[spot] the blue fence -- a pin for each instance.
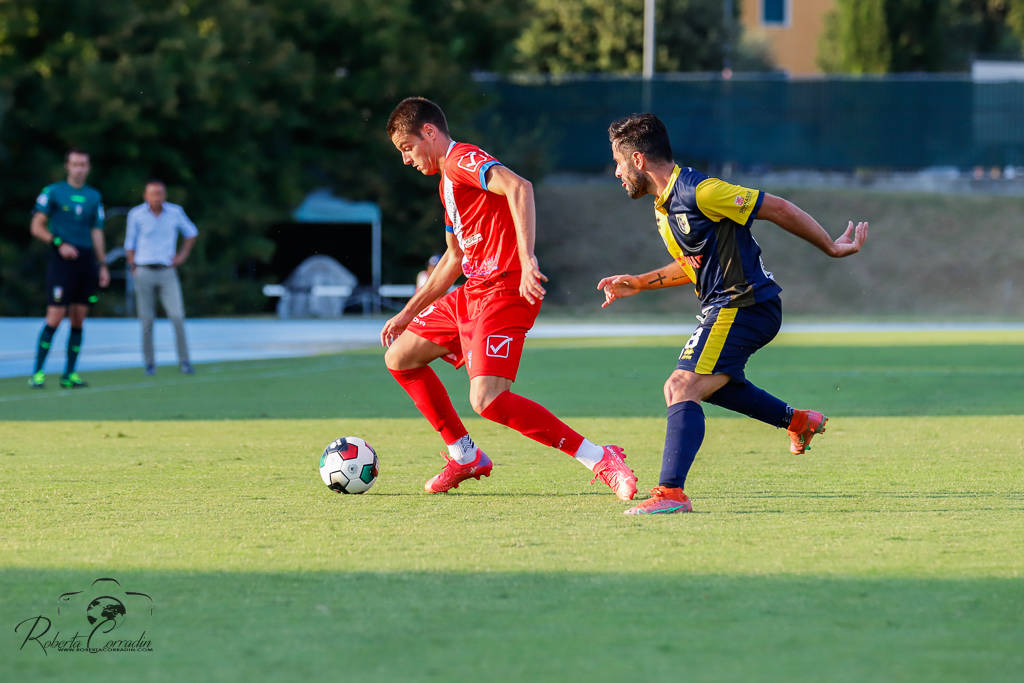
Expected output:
(827, 123)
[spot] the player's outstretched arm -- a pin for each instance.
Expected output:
(519, 193)
(621, 286)
(792, 218)
(441, 279)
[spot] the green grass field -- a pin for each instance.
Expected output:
(892, 551)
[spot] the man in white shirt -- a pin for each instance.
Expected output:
(150, 246)
(421, 277)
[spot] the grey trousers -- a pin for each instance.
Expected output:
(149, 282)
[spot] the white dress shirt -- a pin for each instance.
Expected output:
(153, 238)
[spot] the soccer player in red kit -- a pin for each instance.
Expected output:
(490, 224)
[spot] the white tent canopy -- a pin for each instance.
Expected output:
(320, 206)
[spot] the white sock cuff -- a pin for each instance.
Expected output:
(589, 454)
(462, 451)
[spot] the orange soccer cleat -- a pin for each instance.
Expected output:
(663, 500)
(802, 428)
(453, 473)
(612, 470)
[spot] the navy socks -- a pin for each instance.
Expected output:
(683, 437)
(754, 402)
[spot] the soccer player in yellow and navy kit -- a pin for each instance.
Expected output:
(705, 224)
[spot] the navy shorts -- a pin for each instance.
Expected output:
(73, 281)
(727, 337)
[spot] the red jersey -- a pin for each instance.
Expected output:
(480, 220)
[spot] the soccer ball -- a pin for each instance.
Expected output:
(349, 465)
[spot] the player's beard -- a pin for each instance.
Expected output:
(635, 183)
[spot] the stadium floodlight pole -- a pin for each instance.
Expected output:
(649, 50)
(727, 21)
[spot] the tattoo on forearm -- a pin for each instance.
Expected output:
(680, 277)
(657, 280)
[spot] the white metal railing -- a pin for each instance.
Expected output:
(386, 291)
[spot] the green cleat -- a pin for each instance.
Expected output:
(37, 381)
(72, 381)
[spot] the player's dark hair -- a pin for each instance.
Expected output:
(156, 181)
(413, 113)
(74, 150)
(644, 133)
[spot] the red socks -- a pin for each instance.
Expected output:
(521, 414)
(533, 420)
(428, 393)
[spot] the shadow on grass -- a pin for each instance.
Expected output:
(443, 626)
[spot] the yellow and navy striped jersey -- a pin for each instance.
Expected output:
(705, 223)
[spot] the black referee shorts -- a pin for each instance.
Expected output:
(72, 281)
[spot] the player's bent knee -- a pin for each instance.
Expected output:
(394, 359)
(482, 395)
(682, 386)
(673, 391)
(411, 353)
(479, 400)
(478, 405)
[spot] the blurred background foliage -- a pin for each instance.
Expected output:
(901, 36)
(241, 106)
(244, 106)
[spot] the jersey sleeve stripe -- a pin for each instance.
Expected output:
(483, 171)
(757, 207)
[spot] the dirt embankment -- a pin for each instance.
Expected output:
(928, 255)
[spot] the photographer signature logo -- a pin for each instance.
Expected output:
(103, 618)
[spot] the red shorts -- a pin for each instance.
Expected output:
(485, 330)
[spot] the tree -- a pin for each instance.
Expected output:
(587, 36)
(856, 39)
(240, 106)
(899, 36)
(1015, 18)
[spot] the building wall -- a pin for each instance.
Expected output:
(794, 44)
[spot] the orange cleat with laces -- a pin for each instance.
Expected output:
(663, 500)
(802, 428)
